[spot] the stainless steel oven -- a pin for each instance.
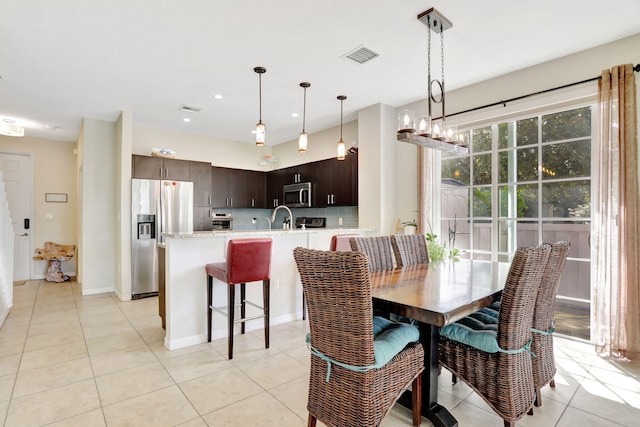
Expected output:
(297, 195)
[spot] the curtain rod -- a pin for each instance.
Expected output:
(636, 68)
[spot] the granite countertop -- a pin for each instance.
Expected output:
(224, 233)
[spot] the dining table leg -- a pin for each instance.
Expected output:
(434, 412)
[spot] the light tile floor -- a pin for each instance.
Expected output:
(69, 360)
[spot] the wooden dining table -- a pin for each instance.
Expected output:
(435, 295)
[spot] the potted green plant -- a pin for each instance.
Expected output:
(410, 227)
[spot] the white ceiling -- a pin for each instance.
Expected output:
(64, 60)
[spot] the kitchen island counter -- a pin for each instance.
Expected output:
(185, 280)
(265, 232)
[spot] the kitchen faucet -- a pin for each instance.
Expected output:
(273, 216)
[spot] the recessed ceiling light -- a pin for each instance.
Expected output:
(253, 131)
(9, 128)
(218, 96)
(186, 119)
(294, 114)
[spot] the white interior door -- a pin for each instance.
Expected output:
(17, 173)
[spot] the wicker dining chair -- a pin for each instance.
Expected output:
(496, 364)
(377, 249)
(410, 249)
(544, 365)
(347, 385)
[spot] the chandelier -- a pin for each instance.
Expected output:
(424, 130)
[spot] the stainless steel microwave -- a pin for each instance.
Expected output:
(297, 195)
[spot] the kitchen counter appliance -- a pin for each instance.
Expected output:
(221, 222)
(311, 222)
(156, 207)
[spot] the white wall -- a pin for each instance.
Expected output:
(219, 152)
(322, 145)
(377, 183)
(97, 211)
(124, 140)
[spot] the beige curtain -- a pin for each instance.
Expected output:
(615, 320)
(426, 197)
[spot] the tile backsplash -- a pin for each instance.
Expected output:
(243, 218)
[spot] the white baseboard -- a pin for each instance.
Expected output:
(252, 325)
(43, 276)
(94, 291)
(184, 342)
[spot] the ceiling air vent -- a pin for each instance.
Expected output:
(190, 108)
(362, 54)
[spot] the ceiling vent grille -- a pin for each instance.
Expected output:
(362, 54)
(190, 108)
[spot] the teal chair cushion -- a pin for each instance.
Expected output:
(390, 338)
(479, 330)
(482, 339)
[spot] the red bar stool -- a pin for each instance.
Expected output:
(248, 260)
(340, 242)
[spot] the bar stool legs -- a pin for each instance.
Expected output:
(265, 302)
(231, 305)
(209, 306)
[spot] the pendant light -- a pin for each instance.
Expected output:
(303, 138)
(341, 148)
(260, 128)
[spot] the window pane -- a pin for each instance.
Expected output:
(567, 160)
(456, 169)
(506, 229)
(455, 234)
(511, 205)
(527, 131)
(528, 164)
(566, 124)
(566, 199)
(528, 234)
(455, 201)
(482, 139)
(503, 167)
(482, 202)
(575, 280)
(529, 195)
(482, 169)
(576, 232)
(503, 135)
(482, 236)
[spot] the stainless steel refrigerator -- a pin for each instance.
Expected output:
(156, 207)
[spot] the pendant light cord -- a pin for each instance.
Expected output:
(260, 92)
(304, 110)
(341, 103)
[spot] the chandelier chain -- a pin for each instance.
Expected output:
(429, 64)
(442, 54)
(442, 75)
